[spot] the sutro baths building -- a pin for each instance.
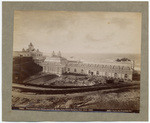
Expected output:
(57, 64)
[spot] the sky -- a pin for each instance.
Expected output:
(78, 32)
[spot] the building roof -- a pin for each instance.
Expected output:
(56, 59)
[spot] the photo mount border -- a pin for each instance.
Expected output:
(8, 9)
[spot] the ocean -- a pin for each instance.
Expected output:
(97, 58)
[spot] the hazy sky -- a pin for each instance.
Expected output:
(85, 32)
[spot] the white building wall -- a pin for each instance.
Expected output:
(111, 70)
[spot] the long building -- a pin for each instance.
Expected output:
(57, 64)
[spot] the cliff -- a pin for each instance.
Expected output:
(24, 67)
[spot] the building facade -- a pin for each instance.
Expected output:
(30, 52)
(57, 64)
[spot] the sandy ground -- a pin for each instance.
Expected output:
(123, 99)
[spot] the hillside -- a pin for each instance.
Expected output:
(24, 67)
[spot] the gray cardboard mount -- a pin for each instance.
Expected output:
(8, 9)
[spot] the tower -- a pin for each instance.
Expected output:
(23, 49)
(31, 47)
(59, 54)
(53, 54)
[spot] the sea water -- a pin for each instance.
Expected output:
(97, 58)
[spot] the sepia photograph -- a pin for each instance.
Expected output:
(76, 61)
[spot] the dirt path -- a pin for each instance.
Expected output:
(51, 90)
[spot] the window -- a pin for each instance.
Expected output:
(81, 70)
(68, 69)
(97, 72)
(115, 75)
(125, 76)
(75, 70)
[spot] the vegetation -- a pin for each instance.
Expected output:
(136, 76)
(70, 80)
(120, 99)
(122, 59)
(49, 92)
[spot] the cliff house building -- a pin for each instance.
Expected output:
(30, 52)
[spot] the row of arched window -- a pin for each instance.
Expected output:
(48, 69)
(97, 73)
(38, 54)
(102, 66)
(25, 55)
